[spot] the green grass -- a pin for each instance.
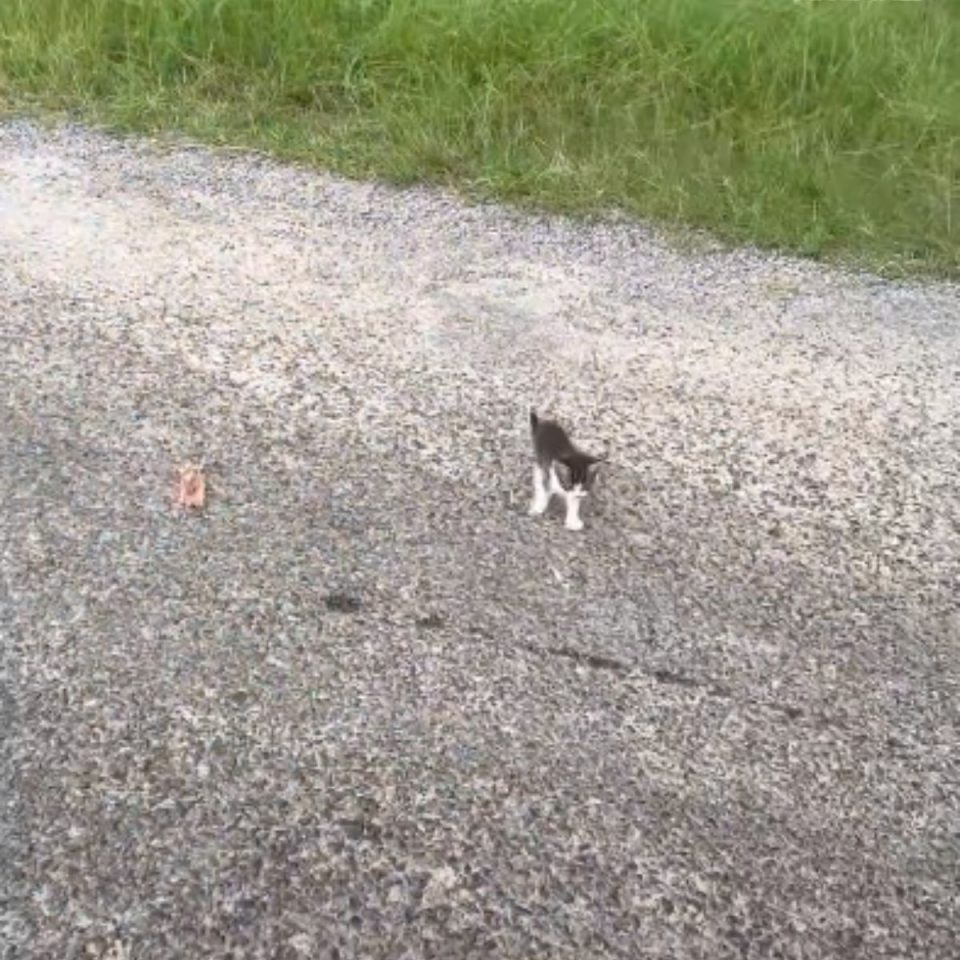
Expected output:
(828, 128)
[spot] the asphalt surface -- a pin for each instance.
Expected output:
(361, 705)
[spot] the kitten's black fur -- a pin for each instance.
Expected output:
(552, 445)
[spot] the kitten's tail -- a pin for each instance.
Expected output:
(534, 420)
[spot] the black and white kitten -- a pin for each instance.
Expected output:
(559, 468)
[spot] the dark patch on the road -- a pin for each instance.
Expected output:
(789, 711)
(662, 675)
(670, 676)
(432, 621)
(598, 661)
(360, 828)
(342, 603)
(595, 661)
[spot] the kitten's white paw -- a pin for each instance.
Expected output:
(575, 524)
(537, 508)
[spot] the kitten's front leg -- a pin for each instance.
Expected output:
(573, 521)
(541, 496)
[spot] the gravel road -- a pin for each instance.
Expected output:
(361, 705)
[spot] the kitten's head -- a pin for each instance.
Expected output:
(577, 473)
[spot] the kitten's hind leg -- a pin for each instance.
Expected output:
(541, 496)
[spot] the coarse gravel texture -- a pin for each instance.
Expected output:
(362, 705)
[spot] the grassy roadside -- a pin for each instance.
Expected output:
(828, 128)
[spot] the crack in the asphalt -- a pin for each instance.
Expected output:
(596, 661)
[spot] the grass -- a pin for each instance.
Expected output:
(827, 128)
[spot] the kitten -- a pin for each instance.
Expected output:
(561, 469)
